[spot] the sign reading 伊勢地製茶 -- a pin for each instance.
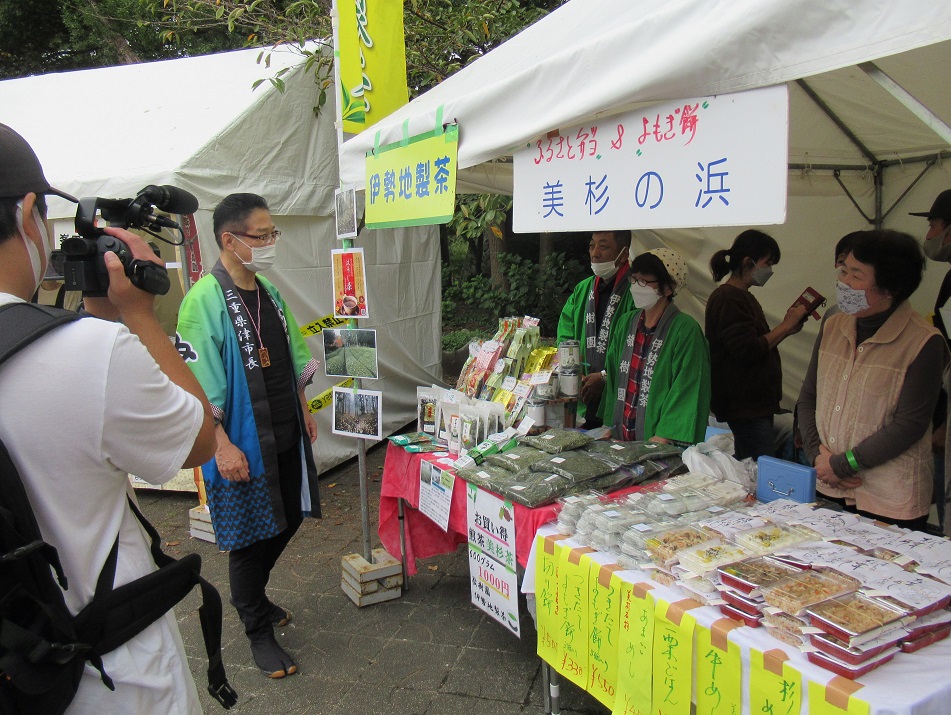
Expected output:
(711, 161)
(413, 182)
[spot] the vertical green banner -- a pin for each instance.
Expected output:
(372, 56)
(413, 182)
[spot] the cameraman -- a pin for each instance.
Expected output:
(84, 406)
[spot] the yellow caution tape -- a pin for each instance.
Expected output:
(326, 397)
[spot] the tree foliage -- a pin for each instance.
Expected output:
(57, 35)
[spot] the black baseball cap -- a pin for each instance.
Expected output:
(941, 208)
(20, 170)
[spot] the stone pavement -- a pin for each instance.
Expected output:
(428, 653)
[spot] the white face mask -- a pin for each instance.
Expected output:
(605, 270)
(645, 297)
(761, 274)
(850, 300)
(935, 249)
(36, 262)
(262, 257)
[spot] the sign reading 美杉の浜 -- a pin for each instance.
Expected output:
(413, 182)
(710, 161)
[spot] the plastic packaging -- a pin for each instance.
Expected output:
(518, 458)
(627, 453)
(576, 465)
(855, 619)
(796, 594)
(742, 603)
(926, 624)
(914, 644)
(557, 440)
(751, 575)
(664, 546)
(771, 537)
(840, 650)
(847, 670)
(737, 615)
(705, 557)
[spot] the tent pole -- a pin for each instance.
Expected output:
(932, 120)
(352, 323)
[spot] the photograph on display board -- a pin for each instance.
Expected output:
(346, 211)
(358, 413)
(350, 280)
(350, 353)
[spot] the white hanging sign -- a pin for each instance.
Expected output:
(710, 161)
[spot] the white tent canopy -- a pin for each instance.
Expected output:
(197, 124)
(857, 144)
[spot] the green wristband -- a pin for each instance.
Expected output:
(852, 461)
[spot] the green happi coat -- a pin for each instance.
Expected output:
(212, 338)
(678, 403)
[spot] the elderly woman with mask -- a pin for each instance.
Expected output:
(657, 370)
(870, 389)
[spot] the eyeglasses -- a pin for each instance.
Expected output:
(643, 283)
(266, 239)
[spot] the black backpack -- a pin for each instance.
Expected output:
(43, 647)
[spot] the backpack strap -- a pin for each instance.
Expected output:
(25, 322)
(116, 615)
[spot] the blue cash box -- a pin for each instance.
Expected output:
(779, 479)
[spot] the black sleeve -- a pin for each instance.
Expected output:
(806, 405)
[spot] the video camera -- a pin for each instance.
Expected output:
(84, 267)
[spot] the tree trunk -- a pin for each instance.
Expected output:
(546, 246)
(496, 249)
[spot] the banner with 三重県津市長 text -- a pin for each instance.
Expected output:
(413, 182)
(711, 161)
(371, 52)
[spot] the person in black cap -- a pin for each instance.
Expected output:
(83, 407)
(937, 247)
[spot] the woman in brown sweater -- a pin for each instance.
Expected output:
(746, 370)
(866, 403)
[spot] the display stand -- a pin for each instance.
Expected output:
(374, 576)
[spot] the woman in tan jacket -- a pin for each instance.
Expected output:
(871, 386)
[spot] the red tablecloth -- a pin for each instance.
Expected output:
(423, 537)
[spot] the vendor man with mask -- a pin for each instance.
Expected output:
(937, 247)
(590, 313)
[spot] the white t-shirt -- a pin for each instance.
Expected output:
(81, 408)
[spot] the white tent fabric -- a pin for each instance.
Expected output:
(197, 124)
(596, 58)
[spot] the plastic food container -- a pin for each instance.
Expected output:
(796, 594)
(926, 639)
(796, 640)
(664, 546)
(573, 506)
(742, 603)
(677, 502)
(856, 619)
(643, 529)
(785, 622)
(707, 556)
(830, 645)
(847, 670)
(693, 480)
(737, 615)
(774, 536)
(753, 574)
(928, 623)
